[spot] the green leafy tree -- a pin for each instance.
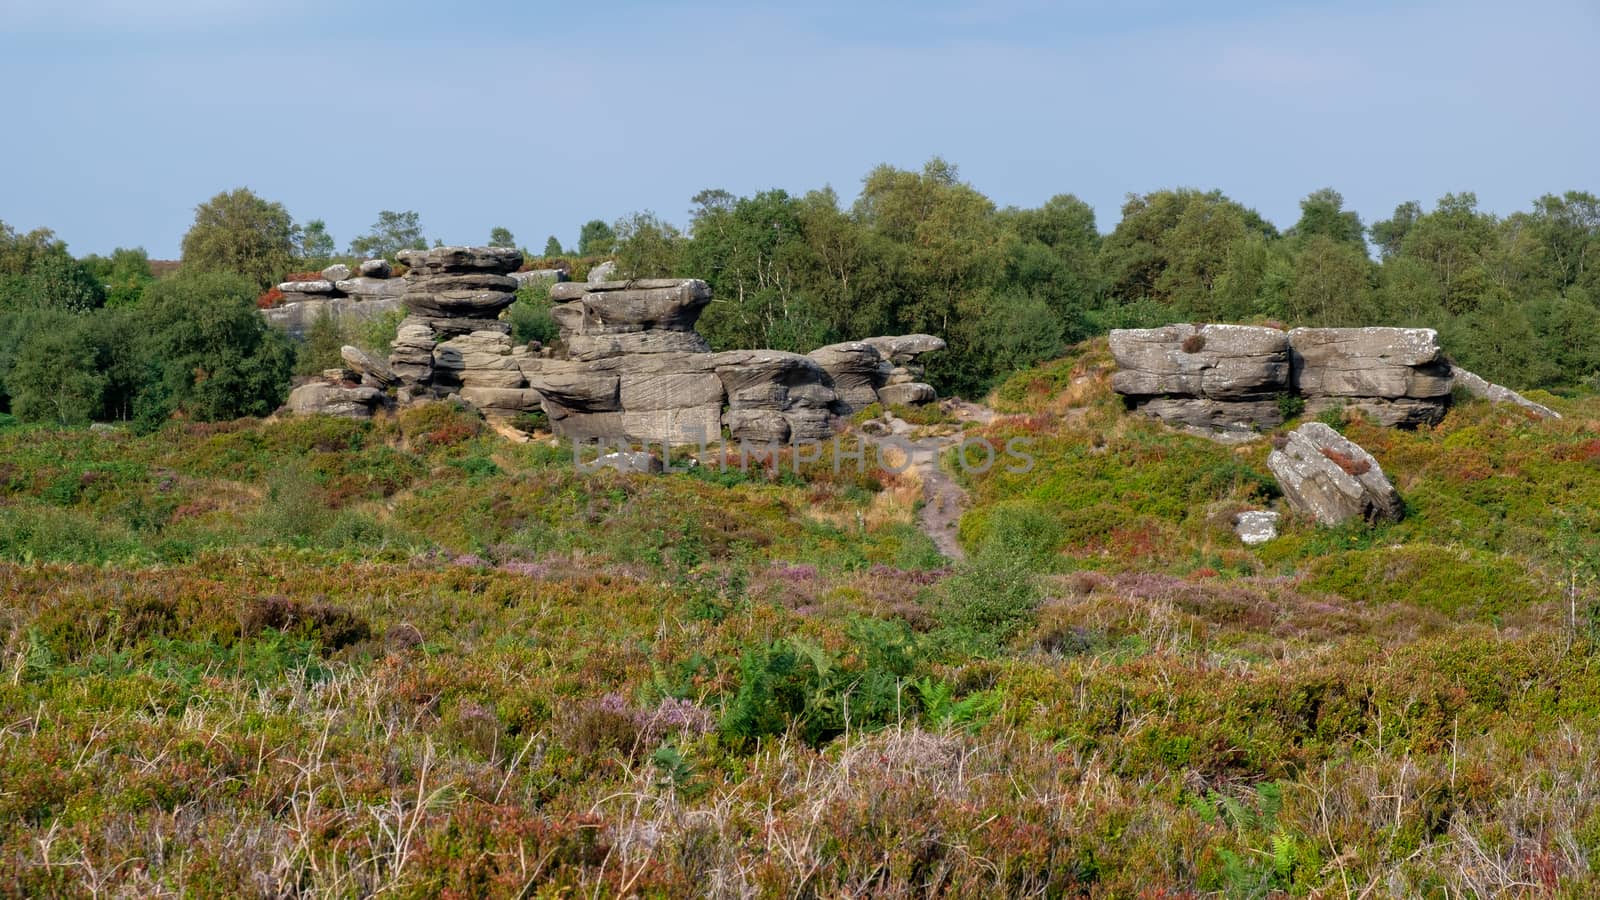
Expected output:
(239, 232)
(393, 232)
(596, 238)
(1175, 248)
(1389, 234)
(552, 248)
(125, 274)
(214, 357)
(37, 272)
(58, 376)
(501, 237)
(647, 247)
(1332, 284)
(314, 241)
(1323, 213)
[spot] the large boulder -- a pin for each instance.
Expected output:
(857, 371)
(766, 386)
(373, 371)
(317, 287)
(376, 268)
(1369, 362)
(1332, 479)
(461, 282)
(495, 260)
(365, 288)
(336, 272)
(673, 304)
(1215, 362)
(1394, 376)
(904, 347)
(327, 399)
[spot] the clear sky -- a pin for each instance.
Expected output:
(122, 115)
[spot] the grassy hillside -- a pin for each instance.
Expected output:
(408, 656)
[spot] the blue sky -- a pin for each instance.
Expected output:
(124, 114)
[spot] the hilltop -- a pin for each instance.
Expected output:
(329, 656)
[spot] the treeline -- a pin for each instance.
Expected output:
(1517, 298)
(103, 339)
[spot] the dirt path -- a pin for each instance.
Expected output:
(943, 498)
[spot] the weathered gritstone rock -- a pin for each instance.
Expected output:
(535, 276)
(1484, 389)
(334, 399)
(776, 396)
(373, 372)
(1215, 362)
(651, 315)
(1222, 378)
(1256, 526)
(1226, 378)
(1395, 376)
(460, 282)
(1333, 479)
(351, 300)
(857, 369)
(631, 367)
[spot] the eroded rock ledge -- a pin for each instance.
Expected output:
(629, 365)
(1238, 379)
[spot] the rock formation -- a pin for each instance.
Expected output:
(629, 365)
(878, 370)
(335, 395)
(1256, 526)
(1230, 379)
(637, 370)
(340, 293)
(1484, 389)
(1226, 378)
(1331, 478)
(1393, 376)
(453, 341)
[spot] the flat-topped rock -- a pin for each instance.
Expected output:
(905, 347)
(336, 272)
(1216, 362)
(319, 286)
(324, 398)
(1386, 363)
(376, 268)
(370, 288)
(497, 260)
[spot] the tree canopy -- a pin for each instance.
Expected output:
(240, 233)
(393, 232)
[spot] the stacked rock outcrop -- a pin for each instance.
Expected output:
(368, 291)
(636, 370)
(453, 340)
(629, 365)
(879, 370)
(902, 384)
(1393, 376)
(1221, 377)
(1231, 378)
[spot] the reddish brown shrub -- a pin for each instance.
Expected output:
(269, 299)
(1194, 343)
(1349, 464)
